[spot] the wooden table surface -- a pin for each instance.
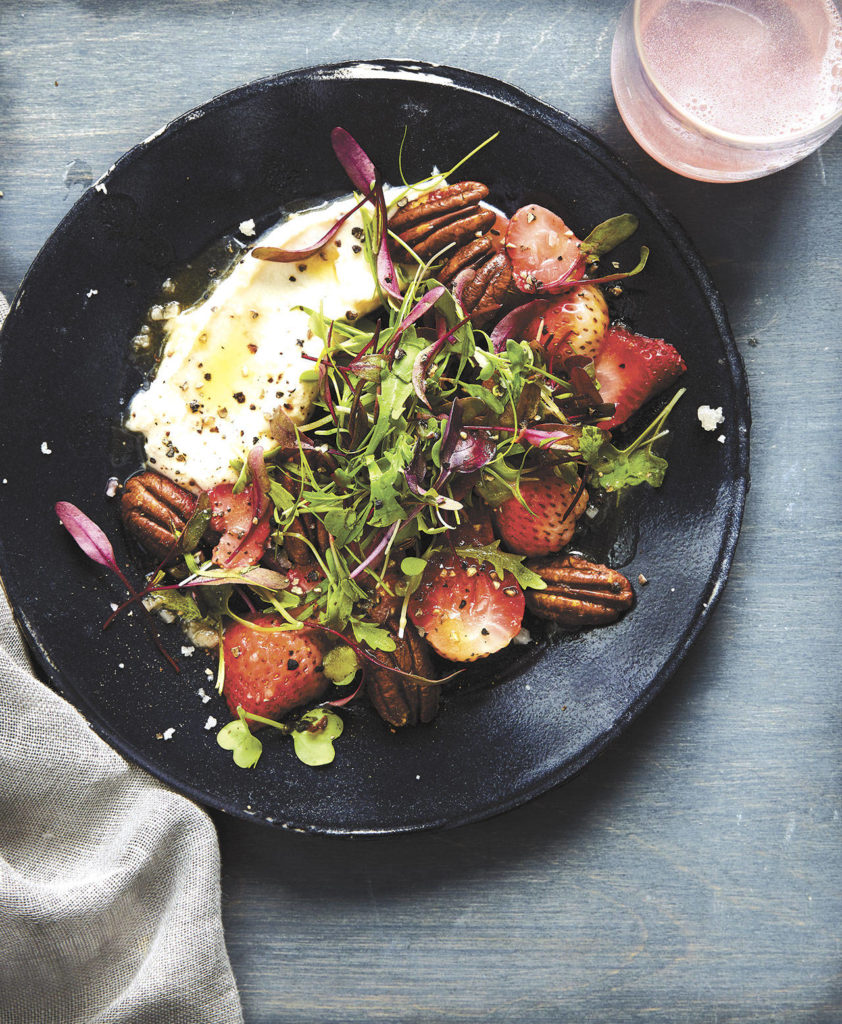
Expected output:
(692, 874)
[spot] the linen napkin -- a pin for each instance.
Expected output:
(109, 882)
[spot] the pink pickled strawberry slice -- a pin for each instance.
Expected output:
(545, 253)
(243, 539)
(631, 369)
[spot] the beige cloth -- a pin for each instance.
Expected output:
(109, 882)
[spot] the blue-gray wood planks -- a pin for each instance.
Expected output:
(692, 874)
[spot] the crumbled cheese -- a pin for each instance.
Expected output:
(523, 637)
(641, 579)
(100, 187)
(721, 439)
(121, 665)
(187, 651)
(710, 418)
(203, 695)
(211, 722)
(168, 734)
(247, 227)
(111, 487)
(45, 449)
(167, 615)
(91, 292)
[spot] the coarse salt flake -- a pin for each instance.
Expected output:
(710, 418)
(211, 722)
(46, 449)
(168, 734)
(247, 227)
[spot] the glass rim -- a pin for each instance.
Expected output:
(736, 139)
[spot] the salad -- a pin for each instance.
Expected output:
(396, 487)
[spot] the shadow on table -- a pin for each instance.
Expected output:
(547, 828)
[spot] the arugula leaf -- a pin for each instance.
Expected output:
(503, 562)
(344, 525)
(613, 469)
(378, 639)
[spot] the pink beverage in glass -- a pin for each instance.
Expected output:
(726, 90)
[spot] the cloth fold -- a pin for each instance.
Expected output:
(109, 881)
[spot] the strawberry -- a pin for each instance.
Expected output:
(465, 610)
(579, 319)
(631, 369)
(245, 529)
(270, 673)
(544, 252)
(548, 524)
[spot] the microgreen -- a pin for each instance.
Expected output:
(614, 469)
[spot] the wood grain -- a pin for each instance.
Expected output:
(693, 873)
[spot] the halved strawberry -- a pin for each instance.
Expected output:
(548, 524)
(465, 610)
(270, 673)
(631, 369)
(545, 253)
(244, 526)
(579, 319)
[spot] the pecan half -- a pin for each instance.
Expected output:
(398, 700)
(154, 508)
(485, 293)
(298, 551)
(579, 592)
(439, 202)
(443, 217)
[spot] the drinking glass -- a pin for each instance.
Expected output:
(727, 90)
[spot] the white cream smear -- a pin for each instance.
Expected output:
(232, 360)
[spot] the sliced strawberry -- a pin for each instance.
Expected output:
(548, 524)
(465, 610)
(631, 369)
(545, 253)
(270, 673)
(578, 321)
(244, 527)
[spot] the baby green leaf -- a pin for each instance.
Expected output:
(192, 534)
(340, 665)
(315, 747)
(609, 234)
(237, 737)
(411, 566)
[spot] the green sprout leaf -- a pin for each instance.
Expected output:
(192, 534)
(609, 234)
(314, 743)
(411, 566)
(340, 665)
(237, 737)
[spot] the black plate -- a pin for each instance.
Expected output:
(527, 722)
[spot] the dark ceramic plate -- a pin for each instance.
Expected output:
(520, 723)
